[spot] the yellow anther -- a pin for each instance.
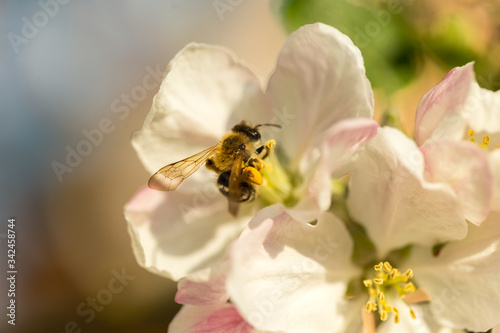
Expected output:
(381, 297)
(368, 283)
(472, 140)
(486, 141)
(388, 280)
(471, 133)
(387, 266)
(412, 314)
(497, 147)
(409, 287)
(369, 307)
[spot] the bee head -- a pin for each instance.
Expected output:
(252, 132)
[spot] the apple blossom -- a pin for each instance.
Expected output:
(324, 275)
(318, 93)
(458, 128)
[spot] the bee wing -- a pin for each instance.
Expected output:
(234, 184)
(170, 176)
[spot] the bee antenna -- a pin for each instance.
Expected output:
(273, 125)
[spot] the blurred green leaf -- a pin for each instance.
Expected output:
(387, 43)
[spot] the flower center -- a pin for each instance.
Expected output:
(484, 142)
(277, 186)
(387, 280)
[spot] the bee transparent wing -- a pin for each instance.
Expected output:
(234, 190)
(169, 177)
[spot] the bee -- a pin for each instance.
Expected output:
(237, 159)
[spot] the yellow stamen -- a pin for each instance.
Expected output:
(471, 133)
(384, 285)
(387, 266)
(394, 273)
(486, 141)
(409, 287)
(381, 297)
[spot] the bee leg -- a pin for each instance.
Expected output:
(251, 175)
(266, 149)
(210, 164)
(256, 163)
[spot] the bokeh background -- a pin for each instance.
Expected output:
(66, 65)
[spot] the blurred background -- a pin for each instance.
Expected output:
(65, 67)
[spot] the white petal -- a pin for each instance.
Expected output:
(425, 322)
(463, 279)
(390, 198)
(223, 318)
(174, 234)
(205, 92)
(291, 276)
(482, 110)
(466, 168)
(340, 142)
(438, 111)
(319, 79)
(495, 167)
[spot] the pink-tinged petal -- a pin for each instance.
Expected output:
(463, 279)
(176, 233)
(495, 167)
(440, 106)
(288, 275)
(205, 92)
(465, 167)
(389, 196)
(205, 287)
(223, 318)
(496, 329)
(340, 142)
(319, 79)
